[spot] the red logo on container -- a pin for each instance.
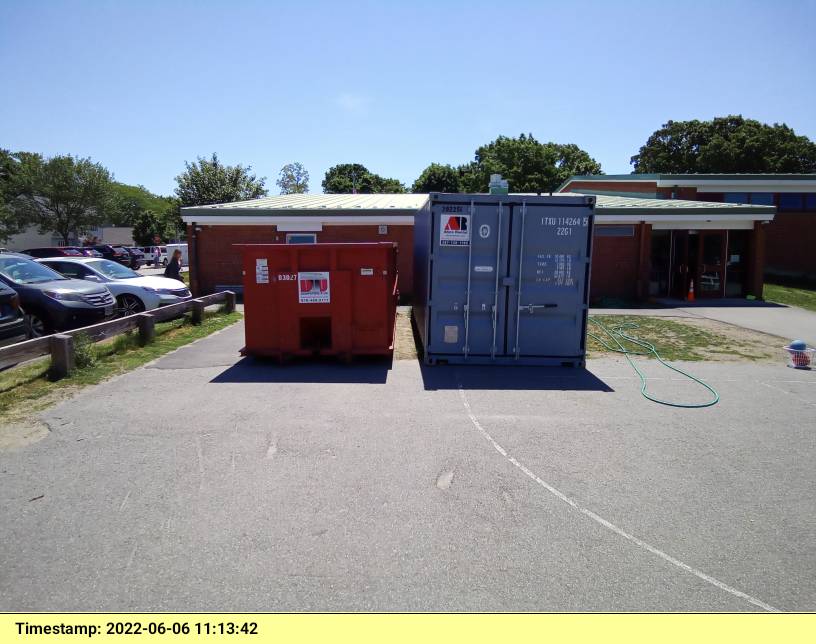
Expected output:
(456, 223)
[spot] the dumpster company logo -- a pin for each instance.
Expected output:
(456, 231)
(313, 288)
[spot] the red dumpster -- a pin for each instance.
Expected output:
(319, 299)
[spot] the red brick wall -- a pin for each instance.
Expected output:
(790, 243)
(615, 266)
(219, 262)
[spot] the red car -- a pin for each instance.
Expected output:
(55, 251)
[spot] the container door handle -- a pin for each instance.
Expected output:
(520, 276)
(471, 224)
(496, 293)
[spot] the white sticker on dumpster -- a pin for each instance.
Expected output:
(455, 230)
(451, 334)
(366, 271)
(313, 288)
(261, 271)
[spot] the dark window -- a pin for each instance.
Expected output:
(735, 197)
(301, 238)
(614, 231)
(790, 201)
(810, 202)
(762, 198)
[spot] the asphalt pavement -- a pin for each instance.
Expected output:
(210, 482)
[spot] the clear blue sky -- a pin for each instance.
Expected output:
(143, 86)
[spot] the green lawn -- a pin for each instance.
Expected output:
(27, 390)
(802, 297)
(677, 340)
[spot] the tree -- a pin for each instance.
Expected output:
(356, 178)
(65, 195)
(146, 226)
(208, 181)
(527, 164)
(438, 178)
(725, 144)
(10, 221)
(294, 179)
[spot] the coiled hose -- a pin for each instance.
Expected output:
(620, 331)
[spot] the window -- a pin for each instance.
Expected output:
(810, 202)
(301, 238)
(790, 201)
(615, 231)
(762, 198)
(735, 197)
(69, 269)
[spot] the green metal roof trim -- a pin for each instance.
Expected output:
(380, 204)
(615, 204)
(685, 177)
(318, 203)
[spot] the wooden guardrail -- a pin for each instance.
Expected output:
(61, 345)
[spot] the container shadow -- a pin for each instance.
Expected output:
(498, 378)
(257, 370)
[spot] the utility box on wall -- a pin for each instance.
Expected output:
(503, 279)
(319, 299)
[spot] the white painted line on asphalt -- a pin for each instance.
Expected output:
(608, 524)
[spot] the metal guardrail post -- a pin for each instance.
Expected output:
(198, 312)
(62, 356)
(147, 328)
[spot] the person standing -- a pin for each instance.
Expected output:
(173, 269)
(157, 256)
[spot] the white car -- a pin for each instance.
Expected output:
(134, 293)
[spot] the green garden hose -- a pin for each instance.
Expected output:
(619, 332)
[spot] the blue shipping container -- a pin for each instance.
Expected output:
(503, 279)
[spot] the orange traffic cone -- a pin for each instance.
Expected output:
(690, 296)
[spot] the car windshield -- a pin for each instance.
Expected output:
(26, 271)
(112, 270)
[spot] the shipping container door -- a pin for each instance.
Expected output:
(549, 266)
(469, 242)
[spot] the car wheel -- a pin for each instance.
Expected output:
(36, 325)
(128, 304)
(164, 262)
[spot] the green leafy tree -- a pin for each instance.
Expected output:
(356, 178)
(293, 179)
(438, 178)
(208, 181)
(10, 221)
(725, 144)
(527, 164)
(65, 195)
(146, 226)
(132, 200)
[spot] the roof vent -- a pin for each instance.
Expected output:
(498, 186)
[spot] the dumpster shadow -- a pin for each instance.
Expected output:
(519, 378)
(257, 370)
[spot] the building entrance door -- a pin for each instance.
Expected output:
(680, 263)
(710, 281)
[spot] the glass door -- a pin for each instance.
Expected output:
(711, 264)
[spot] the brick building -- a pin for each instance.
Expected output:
(790, 240)
(633, 236)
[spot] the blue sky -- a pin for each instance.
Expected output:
(143, 86)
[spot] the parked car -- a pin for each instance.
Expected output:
(52, 302)
(114, 253)
(150, 255)
(12, 321)
(87, 251)
(134, 293)
(137, 257)
(53, 251)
